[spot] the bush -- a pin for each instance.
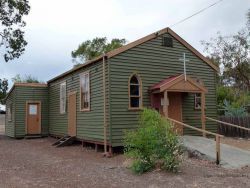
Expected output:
(231, 111)
(153, 143)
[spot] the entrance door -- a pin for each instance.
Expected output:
(33, 113)
(72, 114)
(175, 109)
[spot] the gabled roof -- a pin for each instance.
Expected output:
(178, 84)
(25, 85)
(138, 42)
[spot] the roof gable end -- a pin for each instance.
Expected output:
(138, 42)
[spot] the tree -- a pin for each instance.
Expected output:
(94, 48)
(232, 53)
(12, 37)
(25, 79)
(3, 89)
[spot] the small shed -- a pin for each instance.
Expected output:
(27, 110)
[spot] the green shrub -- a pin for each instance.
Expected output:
(231, 111)
(152, 144)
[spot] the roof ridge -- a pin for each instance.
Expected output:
(136, 43)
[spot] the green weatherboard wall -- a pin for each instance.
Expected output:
(152, 62)
(18, 98)
(89, 123)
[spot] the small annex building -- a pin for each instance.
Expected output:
(100, 99)
(27, 110)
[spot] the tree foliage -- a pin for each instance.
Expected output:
(94, 48)
(232, 53)
(25, 79)
(12, 36)
(3, 89)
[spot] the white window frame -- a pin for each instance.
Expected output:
(63, 97)
(83, 77)
(196, 97)
(140, 92)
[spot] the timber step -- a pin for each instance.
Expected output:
(64, 141)
(33, 136)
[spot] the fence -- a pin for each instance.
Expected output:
(233, 131)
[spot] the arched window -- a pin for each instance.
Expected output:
(135, 92)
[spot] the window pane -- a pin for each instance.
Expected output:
(85, 91)
(134, 80)
(134, 102)
(197, 100)
(33, 109)
(134, 90)
(63, 97)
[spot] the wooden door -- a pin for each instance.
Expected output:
(33, 116)
(175, 109)
(72, 114)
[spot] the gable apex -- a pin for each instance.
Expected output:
(138, 42)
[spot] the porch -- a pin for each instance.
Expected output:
(167, 98)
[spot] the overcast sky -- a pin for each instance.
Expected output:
(56, 27)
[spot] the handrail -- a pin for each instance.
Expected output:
(226, 123)
(195, 128)
(217, 136)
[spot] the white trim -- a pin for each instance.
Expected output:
(63, 97)
(87, 80)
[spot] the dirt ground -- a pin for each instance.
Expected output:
(35, 163)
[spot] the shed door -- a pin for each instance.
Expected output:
(72, 114)
(175, 109)
(33, 118)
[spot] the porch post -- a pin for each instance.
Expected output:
(165, 104)
(203, 115)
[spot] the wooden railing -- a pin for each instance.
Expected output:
(217, 136)
(229, 124)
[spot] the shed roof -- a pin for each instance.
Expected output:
(25, 85)
(136, 43)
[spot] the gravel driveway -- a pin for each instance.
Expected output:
(35, 163)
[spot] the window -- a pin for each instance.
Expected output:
(84, 92)
(167, 41)
(63, 98)
(135, 94)
(9, 112)
(32, 109)
(197, 101)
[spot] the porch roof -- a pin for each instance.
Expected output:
(178, 83)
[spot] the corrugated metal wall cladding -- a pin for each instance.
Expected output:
(154, 62)
(10, 125)
(89, 124)
(24, 94)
